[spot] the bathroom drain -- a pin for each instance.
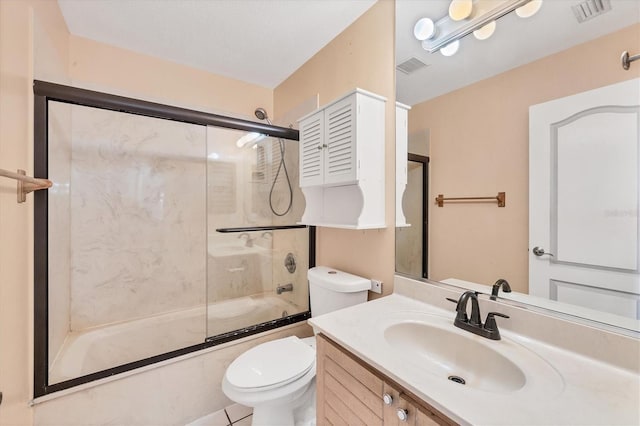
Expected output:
(457, 379)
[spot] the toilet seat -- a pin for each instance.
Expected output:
(271, 365)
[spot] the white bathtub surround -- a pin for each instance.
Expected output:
(295, 241)
(241, 312)
(137, 236)
(574, 374)
(99, 348)
(173, 393)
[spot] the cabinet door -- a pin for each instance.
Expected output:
(311, 150)
(347, 393)
(340, 166)
(429, 418)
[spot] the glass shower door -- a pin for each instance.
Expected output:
(127, 238)
(256, 270)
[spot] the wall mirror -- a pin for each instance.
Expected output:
(543, 111)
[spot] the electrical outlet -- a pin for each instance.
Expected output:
(376, 286)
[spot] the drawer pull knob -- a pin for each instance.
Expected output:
(403, 414)
(388, 399)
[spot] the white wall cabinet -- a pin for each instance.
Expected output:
(342, 168)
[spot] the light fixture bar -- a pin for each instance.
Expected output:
(484, 11)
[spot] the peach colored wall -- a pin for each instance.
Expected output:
(33, 43)
(102, 67)
(489, 153)
(361, 56)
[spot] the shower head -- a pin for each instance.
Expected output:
(261, 113)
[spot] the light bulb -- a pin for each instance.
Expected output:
(451, 48)
(249, 138)
(460, 9)
(424, 29)
(486, 31)
(529, 9)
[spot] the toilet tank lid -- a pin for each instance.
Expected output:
(335, 280)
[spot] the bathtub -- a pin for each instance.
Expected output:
(95, 349)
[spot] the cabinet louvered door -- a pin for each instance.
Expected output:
(311, 150)
(340, 136)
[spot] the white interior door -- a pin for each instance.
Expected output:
(583, 199)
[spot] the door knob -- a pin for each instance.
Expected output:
(539, 251)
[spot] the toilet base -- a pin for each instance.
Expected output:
(299, 412)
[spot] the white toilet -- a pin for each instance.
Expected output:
(277, 378)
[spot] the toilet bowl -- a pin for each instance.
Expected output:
(277, 378)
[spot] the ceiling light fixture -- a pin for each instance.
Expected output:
(460, 9)
(480, 20)
(485, 32)
(451, 48)
(529, 9)
(424, 29)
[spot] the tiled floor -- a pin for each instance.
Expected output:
(236, 415)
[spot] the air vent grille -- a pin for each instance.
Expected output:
(589, 9)
(410, 65)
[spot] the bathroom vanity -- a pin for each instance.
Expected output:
(399, 360)
(351, 392)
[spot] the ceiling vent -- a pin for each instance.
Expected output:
(589, 9)
(410, 65)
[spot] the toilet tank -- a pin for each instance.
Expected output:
(330, 289)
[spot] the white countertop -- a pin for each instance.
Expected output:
(562, 387)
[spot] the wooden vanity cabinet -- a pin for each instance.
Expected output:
(350, 392)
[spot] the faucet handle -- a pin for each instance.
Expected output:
(490, 322)
(461, 315)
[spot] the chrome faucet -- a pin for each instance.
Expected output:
(249, 242)
(282, 288)
(474, 324)
(496, 288)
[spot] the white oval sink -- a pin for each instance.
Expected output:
(447, 353)
(430, 345)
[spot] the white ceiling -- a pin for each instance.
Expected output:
(265, 41)
(515, 42)
(258, 41)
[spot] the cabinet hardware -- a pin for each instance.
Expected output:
(403, 414)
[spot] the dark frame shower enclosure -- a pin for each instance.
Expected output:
(45, 92)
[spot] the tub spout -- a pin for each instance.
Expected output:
(282, 288)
